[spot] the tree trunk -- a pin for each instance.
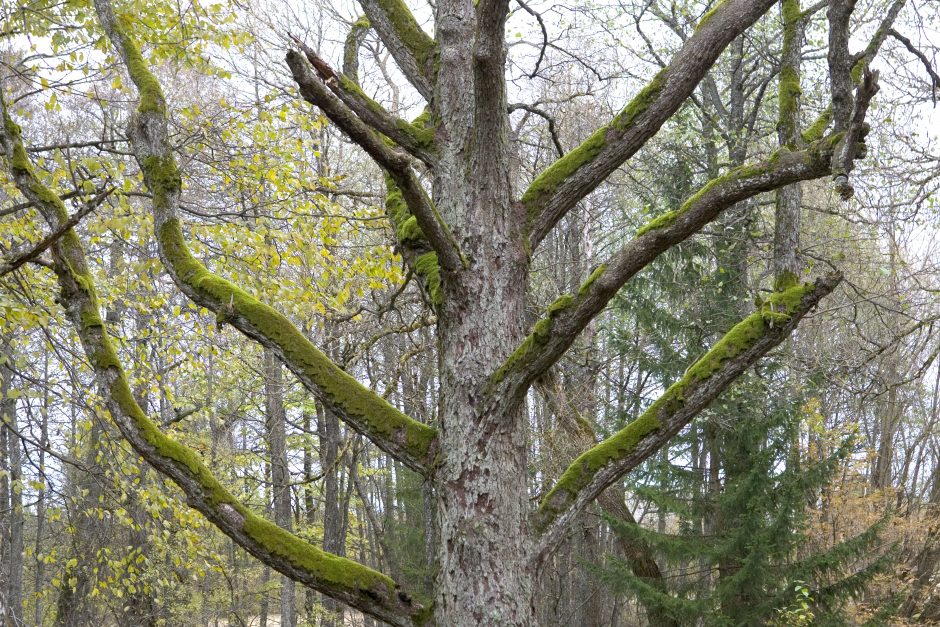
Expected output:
(334, 539)
(276, 428)
(13, 505)
(481, 482)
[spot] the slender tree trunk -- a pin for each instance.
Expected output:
(12, 496)
(276, 428)
(334, 540)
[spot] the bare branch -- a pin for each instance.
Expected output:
(569, 179)
(16, 260)
(934, 77)
(545, 115)
(738, 350)
(538, 18)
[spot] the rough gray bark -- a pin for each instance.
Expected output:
(787, 266)
(334, 538)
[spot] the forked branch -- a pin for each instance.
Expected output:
(571, 313)
(392, 161)
(569, 179)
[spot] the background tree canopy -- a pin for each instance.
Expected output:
(453, 313)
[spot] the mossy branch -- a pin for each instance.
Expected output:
(740, 348)
(412, 244)
(569, 179)
(415, 52)
(368, 413)
(569, 315)
(357, 34)
(355, 584)
(417, 141)
(395, 163)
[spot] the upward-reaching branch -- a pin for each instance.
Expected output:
(606, 462)
(571, 313)
(413, 50)
(355, 584)
(557, 189)
(395, 163)
(840, 61)
(401, 436)
(419, 142)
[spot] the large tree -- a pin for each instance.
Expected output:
(469, 234)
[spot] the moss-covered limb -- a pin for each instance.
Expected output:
(416, 140)
(394, 162)
(559, 188)
(609, 460)
(816, 130)
(567, 317)
(415, 52)
(368, 413)
(353, 583)
(357, 34)
(412, 244)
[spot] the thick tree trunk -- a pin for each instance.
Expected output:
(481, 480)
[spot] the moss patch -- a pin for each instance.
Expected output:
(409, 231)
(151, 94)
(555, 174)
(816, 131)
(409, 32)
(552, 177)
(541, 332)
(427, 267)
(337, 571)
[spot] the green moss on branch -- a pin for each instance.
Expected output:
(421, 46)
(428, 268)
(552, 177)
(777, 310)
(353, 400)
(542, 330)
